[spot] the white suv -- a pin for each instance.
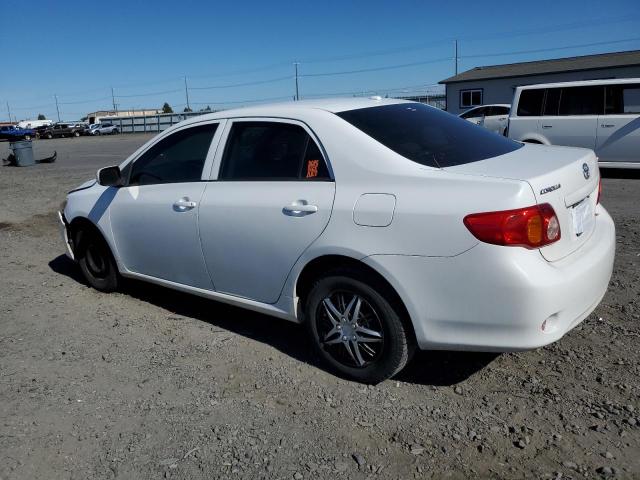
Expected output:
(603, 115)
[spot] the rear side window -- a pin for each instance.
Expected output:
(582, 101)
(177, 158)
(621, 99)
(530, 103)
(427, 135)
(271, 151)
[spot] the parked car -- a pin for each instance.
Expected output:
(88, 129)
(105, 129)
(603, 115)
(382, 225)
(62, 130)
(492, 117)
(10, 132)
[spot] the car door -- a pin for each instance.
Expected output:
(272, 198)
(154, 217)
(619, 128)
(475, 116)
(496, 119)
(574, 122)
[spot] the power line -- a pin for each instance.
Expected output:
(149, 94)
(245, 84)
(552, 49)
(376, 69)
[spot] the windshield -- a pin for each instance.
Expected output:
(427, 135)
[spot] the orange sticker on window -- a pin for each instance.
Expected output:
(312, 168)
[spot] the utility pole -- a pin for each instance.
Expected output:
(9, 110)
(295, 64)
(186, 92)
(57, 108)
(456, 59)
(113, 100)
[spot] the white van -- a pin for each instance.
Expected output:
(603, 115)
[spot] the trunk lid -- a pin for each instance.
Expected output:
(564, 177)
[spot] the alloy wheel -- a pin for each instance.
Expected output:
(349, 329)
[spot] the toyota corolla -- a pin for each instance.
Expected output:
(382, 225)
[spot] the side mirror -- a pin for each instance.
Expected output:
(110, 177)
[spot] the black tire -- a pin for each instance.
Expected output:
(384, 354)
(27, 137)
(96, 261)
(76, 134)
(49, 136)
(115, 131)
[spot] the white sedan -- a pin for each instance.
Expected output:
(492, 117)
(383, 225)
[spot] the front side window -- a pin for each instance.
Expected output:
(582, 101)
(552, 102)
(427, 135)
(271, 151)
(470, 98)
(497, 110)
(530, 103)
(177, 158)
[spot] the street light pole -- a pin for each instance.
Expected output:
(456, 59)
(113, 100)
(186, 92)
(57, 108)
(295, 64)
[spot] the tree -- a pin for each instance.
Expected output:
(41, 117)
(166, 108)
(187, 109)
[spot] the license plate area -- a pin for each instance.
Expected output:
(582, 216)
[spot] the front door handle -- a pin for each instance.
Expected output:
(299, 209)
(608, 125)
(184, 204)
(547, 126)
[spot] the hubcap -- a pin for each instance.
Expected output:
(349, 329)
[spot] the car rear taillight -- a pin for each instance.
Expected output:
(599, 189)
(530, 227)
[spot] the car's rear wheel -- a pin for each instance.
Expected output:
(49, 136)
(76, 134)
(27, 137)
(96, 261)
(356, 328)
(115, 131)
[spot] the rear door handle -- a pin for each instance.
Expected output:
(547, 126)
(184, 204)
(299, 209)
(608, 125)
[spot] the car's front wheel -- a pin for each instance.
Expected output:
(356, 328)
(76, 134)
(96, 261)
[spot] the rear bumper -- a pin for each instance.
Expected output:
(64, 233)
(494, 298)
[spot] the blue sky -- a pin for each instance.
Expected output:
(79, 50)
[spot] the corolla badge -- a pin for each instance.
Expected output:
(585, 171)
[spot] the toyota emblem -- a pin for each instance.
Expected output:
(585, 171)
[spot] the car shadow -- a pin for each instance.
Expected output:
(624, 173)
(436, 368)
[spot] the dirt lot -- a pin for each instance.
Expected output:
(149, 383)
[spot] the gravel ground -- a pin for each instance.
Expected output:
(151, 383)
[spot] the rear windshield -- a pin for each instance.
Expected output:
(427, 135)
